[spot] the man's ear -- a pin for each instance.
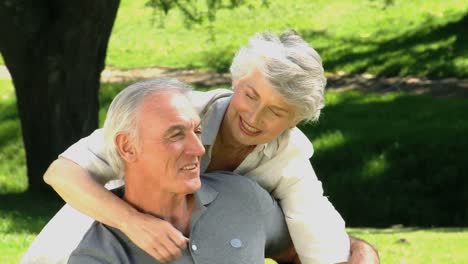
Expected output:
(234, 84)
(125, 146)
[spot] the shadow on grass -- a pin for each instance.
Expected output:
(27, 212)
(396, 161)
(430, 50)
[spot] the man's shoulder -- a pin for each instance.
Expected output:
(230, 180)
(241, 188)
(101, 244)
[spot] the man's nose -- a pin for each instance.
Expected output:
(195, 146)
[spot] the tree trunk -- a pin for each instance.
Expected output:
(55, 52)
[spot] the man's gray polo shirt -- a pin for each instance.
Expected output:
(234, 221)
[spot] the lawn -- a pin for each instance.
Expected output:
(418, 37)
(354, 127)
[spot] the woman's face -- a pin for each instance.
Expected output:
(257, 113)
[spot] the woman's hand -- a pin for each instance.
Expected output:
(155, 236)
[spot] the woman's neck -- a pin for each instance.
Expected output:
(225, 140)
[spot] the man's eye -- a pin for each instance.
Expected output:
(177, 136)
(249, 96)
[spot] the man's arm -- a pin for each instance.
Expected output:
(88, 259)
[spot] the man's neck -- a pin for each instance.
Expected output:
(173, 208)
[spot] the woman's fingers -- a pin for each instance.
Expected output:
(157, 237)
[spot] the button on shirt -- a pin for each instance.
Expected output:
(281, 167)
(234, 221)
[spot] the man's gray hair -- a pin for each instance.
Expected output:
(291, 66)
(121, 116)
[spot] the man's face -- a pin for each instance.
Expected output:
(169, 149)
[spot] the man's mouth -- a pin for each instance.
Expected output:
(189, 167)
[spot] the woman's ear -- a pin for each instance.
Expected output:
(125, 147)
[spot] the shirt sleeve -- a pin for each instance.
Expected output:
(89, 153)
(201, 100)
(316, 228)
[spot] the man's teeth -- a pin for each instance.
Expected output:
(249, 128)
(189, 167)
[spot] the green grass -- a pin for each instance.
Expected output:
(422, 37)
(22, 216)
(415, 245)
(384, 159)
(402, 156)
(13, 165)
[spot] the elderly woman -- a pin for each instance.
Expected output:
(276, 83)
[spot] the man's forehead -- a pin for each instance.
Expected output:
(170, 108)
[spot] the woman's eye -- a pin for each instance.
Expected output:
(276, 113)
(249, 96)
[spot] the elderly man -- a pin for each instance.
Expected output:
(153, 134)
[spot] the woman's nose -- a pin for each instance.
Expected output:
(255, 116)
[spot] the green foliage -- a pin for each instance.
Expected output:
(394, 158)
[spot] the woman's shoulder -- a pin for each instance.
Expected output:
(203, 99)
(296, 142)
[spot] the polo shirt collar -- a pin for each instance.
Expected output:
(203, 198)
(213, 119)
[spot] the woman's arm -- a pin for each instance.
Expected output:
(78, 188)
(316, 228)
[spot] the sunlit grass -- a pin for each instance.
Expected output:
(12, 157)
(421, 37)
(406, 37)
(414, 245)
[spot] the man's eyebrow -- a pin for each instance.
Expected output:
(175, 128)
(180, 127)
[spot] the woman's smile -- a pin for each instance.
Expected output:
(248, 129)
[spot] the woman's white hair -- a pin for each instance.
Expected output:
(291, 66)
(121, 116)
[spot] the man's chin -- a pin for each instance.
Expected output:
(193, 185)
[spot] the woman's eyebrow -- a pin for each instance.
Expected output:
(252, 89)
(277, 108)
